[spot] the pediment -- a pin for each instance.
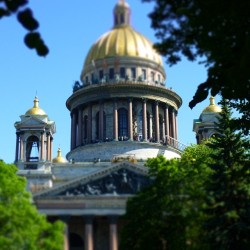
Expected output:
(121, 179)
(32, 121)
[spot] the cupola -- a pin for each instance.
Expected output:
(36, 110)
(59, 158)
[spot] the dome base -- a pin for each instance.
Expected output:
(111, 151)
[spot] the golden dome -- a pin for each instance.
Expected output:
(122, 41)
(59, 158)
(212, 108)
(35, 110)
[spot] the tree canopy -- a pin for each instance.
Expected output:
(22, 226)
(201, 201)
(228, 190)
(32, 39)
(167, 214)
(218, 33)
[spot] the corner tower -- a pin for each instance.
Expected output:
(122, 106)
(34, 139)
(204, 127)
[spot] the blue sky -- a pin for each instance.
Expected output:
(69, 28)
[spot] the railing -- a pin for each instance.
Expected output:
(172, 142)
(118, 80)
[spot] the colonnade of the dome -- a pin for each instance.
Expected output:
(124, 119)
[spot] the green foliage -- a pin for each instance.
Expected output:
(201, 201)
(228, 189)
(25, 17)
(21, 225)
(168, 214)
(216, 31)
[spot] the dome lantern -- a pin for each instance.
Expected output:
(212, 108)
(35, 110)
(121, 13)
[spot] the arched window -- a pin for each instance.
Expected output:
(97, 123)
(139, 126)
(85, 127)
(76, 242)
(32, 149)
(150, 127)
(161, 127)
(122, 123)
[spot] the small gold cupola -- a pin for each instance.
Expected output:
(59, 158)
(121, 14)
(35, 110)
(212, 108)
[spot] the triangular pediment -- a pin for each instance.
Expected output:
(31, 121)
(120, 179)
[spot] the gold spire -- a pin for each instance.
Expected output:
(212, 108)
(59, 158)
(35, 110)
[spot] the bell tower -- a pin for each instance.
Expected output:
(204, 127)
(34, 139)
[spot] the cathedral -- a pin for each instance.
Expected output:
(122, 113)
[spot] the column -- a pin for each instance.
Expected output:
(115, 121)
(173, 123)
(176, 125)
(163, 131)
(17, 146)
(88, 241)
(150, 129)
(166, 114)
(73, 130)
(79, 137)
(101, 120)
(130, 119)
(89, 131)
(21, 149)
(113, 235)
(48, 147)
(144, 120)
(42, 146)
(157, 132)
(51, 148)
(66, 219)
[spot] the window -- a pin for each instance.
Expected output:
(122, 72)
(97, 119)
(87, 79)
(100, 74)
(133, 73)
(85, 127)
(144, 75)
(116, 20)
(159, 78)
(122, 18)
(111, 73)
(152, 76)
(32, 149)
(122, 123)
(92, 78)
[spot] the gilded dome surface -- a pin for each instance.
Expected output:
(122, 41)
(35, 110)
(212, 108)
